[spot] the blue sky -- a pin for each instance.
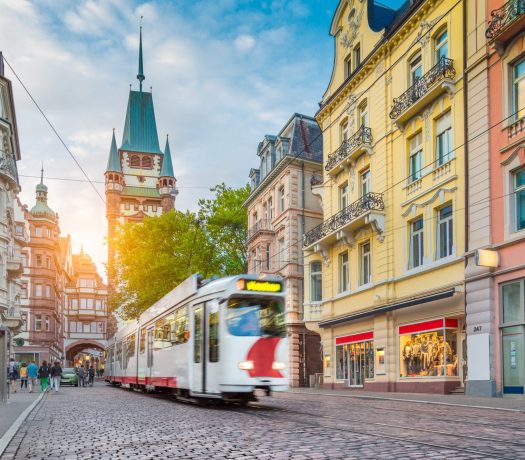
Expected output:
(224, 73)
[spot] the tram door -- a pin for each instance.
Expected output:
(198, 378)
(149, 356)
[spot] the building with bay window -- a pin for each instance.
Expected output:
(389, 253)
(281, 207)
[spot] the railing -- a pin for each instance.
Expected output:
(260, 226)
(8, 166)
(14, 311)
(443, 69)
(362, 136)
(504, 16)
(316, 180)
(369, 202)
(516, 127)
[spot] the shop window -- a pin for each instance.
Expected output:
(512, 300)
(415, 161)
(355, 358)
(343, 196)
(343, 272)
(416, 243)
(365, 263)
(429, 349)
(519, 198)
(441, 46)
(443, 139)
(316, 282)
(518, 89)
(444, 232)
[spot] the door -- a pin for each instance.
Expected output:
(513, 360)
(198, 366)
(149, 357)
(356, 364)
(212, 354)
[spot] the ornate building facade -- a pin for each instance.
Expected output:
(391, 245)
(139, 176)
(281, 207)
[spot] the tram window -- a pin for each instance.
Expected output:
(255, 317)
(131, 346)
(163, 332)
(118, 354)
(180, 327)
(197, 335)
(213, 337)
(142, 345)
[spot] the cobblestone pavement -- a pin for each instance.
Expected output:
(111, 423)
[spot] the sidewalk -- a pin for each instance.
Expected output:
(507, 403)
(14, 412)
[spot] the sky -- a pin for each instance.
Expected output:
(224, 73)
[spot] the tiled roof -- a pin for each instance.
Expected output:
(140, 191)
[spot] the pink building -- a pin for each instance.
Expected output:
(281, 209)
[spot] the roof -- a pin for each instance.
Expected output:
(114, 160)
(140, 191)
(140, 128)
(167, 165)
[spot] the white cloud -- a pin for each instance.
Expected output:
(244, 43)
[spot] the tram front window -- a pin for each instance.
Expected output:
(256, 317)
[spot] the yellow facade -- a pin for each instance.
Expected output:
(392, 241)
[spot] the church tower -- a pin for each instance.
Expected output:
(139, 177)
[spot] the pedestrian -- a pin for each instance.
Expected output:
(56, 374)
(12, 373)
(43, 375)
(32, 374)
(81, 376)
(23, 376)
(91, 373)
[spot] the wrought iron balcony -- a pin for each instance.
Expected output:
(8, 167)
(350, 148)
(316, 180)
(369, 202)
(422, 89)
(504, 17)
(263, 225)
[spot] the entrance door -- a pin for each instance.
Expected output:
(149, 357)
(513, 360)
(198, 363)
(356, 364)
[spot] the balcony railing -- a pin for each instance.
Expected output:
(363, 136)
(260, 226)
(504, 17)
(369, 202)
(316, 180)
(443, 69)
(8, 167)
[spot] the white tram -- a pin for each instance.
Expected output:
(219, 339)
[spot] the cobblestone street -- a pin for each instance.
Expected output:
(111, 423)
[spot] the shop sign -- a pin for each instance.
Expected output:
(361, 337)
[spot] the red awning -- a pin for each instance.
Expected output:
(432, 325)
(361, 337)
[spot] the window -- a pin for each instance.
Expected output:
(258, 260)
(126, 206)
(348, 66)
(512, 302)
(134, 161)
(142, 342)
(147, 163)
(365, 182)
(255, 218)
(86, 327)
(86, 283)
(281, 199)
(247, 317)
(38, 231)
(415, 161)
(519, 198)
(357, 56)
(19, 229)
(38, 260)
(180, 327)
(441, 46)
(213, 333)
(355, 362)
(38, 322)
(254, 261)
(345, 134)
(444, 232)
(343, 272)
(364, 255)
(100, 327)
(363, 114)
(48, 262)
(48, 291)
(48, 233)
(23, 328)
(267, 257)
(99, 304)
(48, 324)
(74, 304)
(343, 196)
(282, 253)
(86, 303)
(270, 208)
(316, 282)
(93, 327)
(197, 335)
(72, 326)
(163, 332)
(416, 69)
(154, 208)
(38, 290)
(416, 243)
(443, 139)
(518, 89)
(265, 212)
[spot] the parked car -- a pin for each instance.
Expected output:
(69, 376)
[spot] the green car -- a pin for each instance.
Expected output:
(69, 376)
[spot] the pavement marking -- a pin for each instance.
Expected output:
(10, 433)
(384, 398)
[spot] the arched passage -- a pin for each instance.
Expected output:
(79, 346)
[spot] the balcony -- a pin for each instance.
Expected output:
(312, 312)
(14, 266)
(516, 128)
(260, 227)
(435, 82)
(506, 21)
(8, 168)
(316, 180)
(350, 150)
(366, 210)
(12, 317)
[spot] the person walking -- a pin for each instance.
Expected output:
(23, 376)
(56, 374)
(81, 382)
(91, 374)
(32, 374)
(12, 373)
(43, 375)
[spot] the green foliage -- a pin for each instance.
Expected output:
(155, 256)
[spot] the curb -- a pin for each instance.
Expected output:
(421, 401)
(11, 432)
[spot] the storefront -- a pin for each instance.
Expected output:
(355, 358)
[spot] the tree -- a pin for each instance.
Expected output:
(155, 256)
(225, 221)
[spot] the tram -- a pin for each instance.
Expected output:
(218, 339)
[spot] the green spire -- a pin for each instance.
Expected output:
(140, 75)
(167, 166)
(113, 160)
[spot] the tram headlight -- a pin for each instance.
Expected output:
(276, 366)
(246, 365)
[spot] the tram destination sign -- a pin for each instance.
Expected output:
(259, 285)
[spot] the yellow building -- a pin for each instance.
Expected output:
(384, 271)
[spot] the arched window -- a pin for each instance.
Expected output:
(134, 161)
(147, 163)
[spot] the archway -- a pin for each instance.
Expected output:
(86, 353)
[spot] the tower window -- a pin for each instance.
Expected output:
(147, 163)
(134, 161)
